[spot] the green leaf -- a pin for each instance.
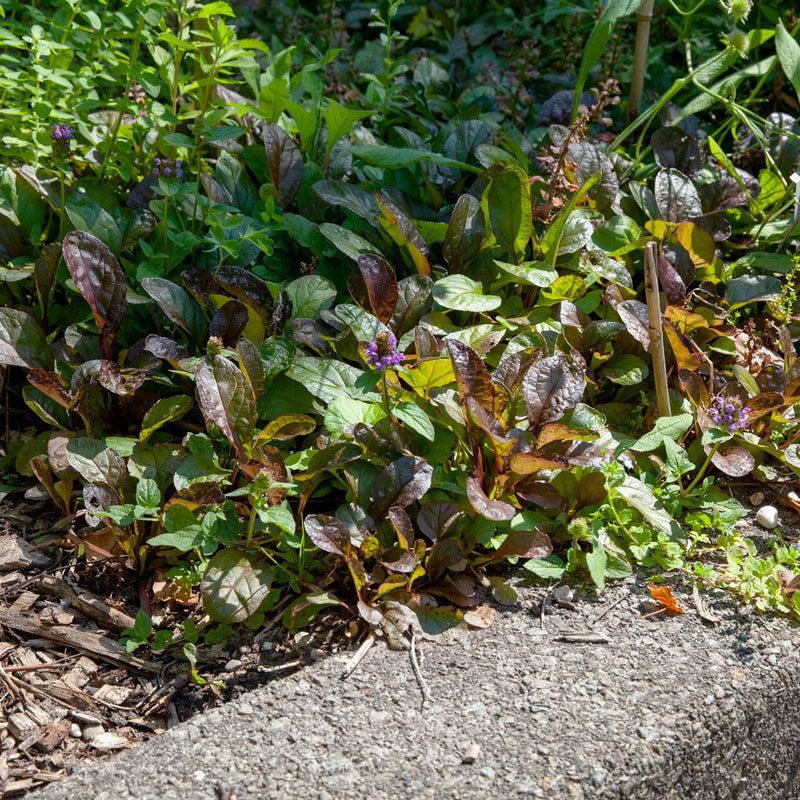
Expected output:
(595, 47)
(664, 428)
(234, 586)
(397, 157)
(324, 378)
(751, 289)
(87, 215)
(626, 370)
(344, 240)
(344, 412)
(340, 122)
(416, 419)
(549, 568)
(178, 306)
(463, 294)
(168, 409)
(310, 294)
(148, 495)
(789, 55)
(508, 202)
(641, 497)
(596, 562)
(531, 273)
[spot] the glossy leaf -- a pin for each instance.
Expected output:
(95, 462)
(381, 285)
(400, 484)
(553, 385)
(101, 281)
(226, 399)
(22, 341)
(495, 510)
(463, 294)
(414, 300)
(327, 533)
(178, 306)
(168, 409)
(285, 164)
(509, 205)
(472, 376)
(676, 196)
(465, 233)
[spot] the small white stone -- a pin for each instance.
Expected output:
(233, 665)
(75, 731)
(767, 517)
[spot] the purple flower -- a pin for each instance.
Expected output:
(382, 353)
(167, 167)
(725, 414)
(62, 132)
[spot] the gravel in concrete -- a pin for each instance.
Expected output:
(666, 708)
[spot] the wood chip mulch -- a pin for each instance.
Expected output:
(69, 691)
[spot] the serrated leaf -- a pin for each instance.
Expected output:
(234, 586)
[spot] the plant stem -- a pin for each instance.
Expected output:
(656, 328)
(385, 393)
(711, 453)
(643, 20)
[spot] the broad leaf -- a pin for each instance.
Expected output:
(285, 164)
(101, 281)
(327, 533)
(465, 233)
(165, 410)
(381, 285)
(226, 399)
(553, 385)
(22, 341)
(400, 484)
(234, 585)
(472, 376)
(495, 510)
(463, 294)
(178, 306)
(509, 205)
(676, 196)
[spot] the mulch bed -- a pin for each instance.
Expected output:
(69, 691)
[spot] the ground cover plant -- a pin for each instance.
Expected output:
(354, 321)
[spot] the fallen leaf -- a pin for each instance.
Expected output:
(663, 594)
(481, 617)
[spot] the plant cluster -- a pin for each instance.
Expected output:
(273, 346)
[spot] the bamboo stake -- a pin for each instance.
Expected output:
(656, 328)
(643, 20)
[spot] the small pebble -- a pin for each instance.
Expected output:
(233, 665)
(471, 753)
(767, 517)
(757, 498)
(267, 646)
(75, 731)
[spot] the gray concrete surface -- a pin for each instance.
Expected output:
(667, 708)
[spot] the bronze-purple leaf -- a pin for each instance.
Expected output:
(734, 461)
(44, 273)
(285, 164)
(539, 492)
(100, 279)
(465, 233)
(553, 385)
(511, 370)
(229, 322)
(524, 544)
(414, 300)
(402, 525)
(472, 376)
(226, 399)
(117, 380)
(634, 317)
(327, 533)
(381, 285)
(495, 510)
(249, 288)
(436, 518)
(400, 484)
(162, 347)
(53, 385)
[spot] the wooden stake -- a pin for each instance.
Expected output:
(656, 328)
(643, 20)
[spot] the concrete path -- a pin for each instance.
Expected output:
(667, 708)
